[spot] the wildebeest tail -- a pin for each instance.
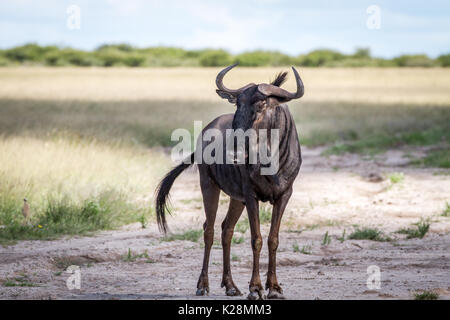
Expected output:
(162, 192)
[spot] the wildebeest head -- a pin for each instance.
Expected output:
(252, 100)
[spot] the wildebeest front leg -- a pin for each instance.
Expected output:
(210, 193)
(275, 291)
(234, 212)
(255, 287)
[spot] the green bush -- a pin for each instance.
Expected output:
(263, 58)
(414, 61)
(134, 60)
(319, 58)
(28, 53)
(109, 55)
(215, 58)
(253, 59)
(362, 53)
(121, 47)
(4, 61)
(444, 60)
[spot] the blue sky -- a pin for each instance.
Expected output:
(293, 27)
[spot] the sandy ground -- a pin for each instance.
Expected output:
(331, 195)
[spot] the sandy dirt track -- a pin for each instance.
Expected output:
(331, 195)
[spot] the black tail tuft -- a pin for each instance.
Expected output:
(162, 193)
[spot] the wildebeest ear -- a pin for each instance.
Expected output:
(226, 95)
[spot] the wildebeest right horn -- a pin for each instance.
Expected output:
(271, 90)
(219, 82)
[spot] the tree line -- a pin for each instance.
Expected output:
(112, 55)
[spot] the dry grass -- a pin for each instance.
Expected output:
(356, 85)
(63, 179)
(33, 168)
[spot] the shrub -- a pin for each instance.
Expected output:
(263, 58)
(444, 60)
(362, 53)
(28, 53)
(215, 58)
(4, 61)
(319, 58)
(134, 60)
(414, 61)
(126, 55)
(111, 57)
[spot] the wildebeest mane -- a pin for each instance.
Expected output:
(279, 79)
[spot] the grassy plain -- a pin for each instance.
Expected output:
(83, 145)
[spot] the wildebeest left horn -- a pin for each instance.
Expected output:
(219, 82)
(271, 90)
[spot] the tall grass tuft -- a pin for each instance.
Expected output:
(68, 217)
(368, 234)
(419, 231)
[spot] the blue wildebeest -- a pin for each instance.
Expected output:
(258, 107)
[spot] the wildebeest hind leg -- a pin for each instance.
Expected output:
(234, 212)
(210, 192)
(255, 287)
(275, 291)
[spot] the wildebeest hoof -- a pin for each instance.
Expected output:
(274, 294)
(233, 292)
(202, 291)
(255, 295)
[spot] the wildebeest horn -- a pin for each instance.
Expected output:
(219, 82)
(271, 90)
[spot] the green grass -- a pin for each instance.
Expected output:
(396, 177)
(350, 127)
(242, 225)
(419, 231)
(235, 257)
(373, 144)
(306, 249)
(265, 214)
(190, 235)
(368, 234)
(19, 282)
(236, 240)
(446, 212)
(131, 257)
(10, 283)
(436, 158)
(143, 220)
(342, 237)
(65, 216)
(326, 240)
(426, 295)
